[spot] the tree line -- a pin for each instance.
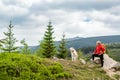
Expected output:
(47, 47)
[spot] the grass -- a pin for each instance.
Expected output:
(79, 71)
(14, 66)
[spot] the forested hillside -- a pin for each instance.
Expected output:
(91, 41)
(79, 42)
(114, 51)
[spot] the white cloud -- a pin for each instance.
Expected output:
(84, 21)
(104, 16)
(31, 35)
(114, 10)
(39, 19)
(12, 10)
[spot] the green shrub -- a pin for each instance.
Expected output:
(55, 68)
(63, 75)
(14, 66)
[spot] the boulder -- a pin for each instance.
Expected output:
(110, 63)
(82, 61)
(96, 60)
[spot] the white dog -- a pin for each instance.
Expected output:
(74, 54)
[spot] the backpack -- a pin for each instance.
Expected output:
(103, 46)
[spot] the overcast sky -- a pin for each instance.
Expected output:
(83, 18)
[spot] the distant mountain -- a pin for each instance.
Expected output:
(33, 48)
(74, 38)
(79, 42)
(91, 41)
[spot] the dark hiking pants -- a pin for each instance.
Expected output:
(101, 58)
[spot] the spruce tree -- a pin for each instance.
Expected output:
(62, 48)
(48, 47)
(25, 49)
(9, 42)
(1, 43)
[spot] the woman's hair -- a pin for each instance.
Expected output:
(98, 42)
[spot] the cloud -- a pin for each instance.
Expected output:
(75, 5)
(114, 10)
(84, 18)
(31, 35)
(111, 20)
(12, 10)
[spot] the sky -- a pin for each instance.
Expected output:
(83, 18)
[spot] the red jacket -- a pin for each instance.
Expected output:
(99, 49)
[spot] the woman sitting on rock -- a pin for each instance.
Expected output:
(98, 52)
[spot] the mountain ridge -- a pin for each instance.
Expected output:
(79, 42)
(91, 41)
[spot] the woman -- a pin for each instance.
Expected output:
(98, 52)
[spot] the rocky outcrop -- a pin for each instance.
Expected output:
(111, 67)
(109, 63)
